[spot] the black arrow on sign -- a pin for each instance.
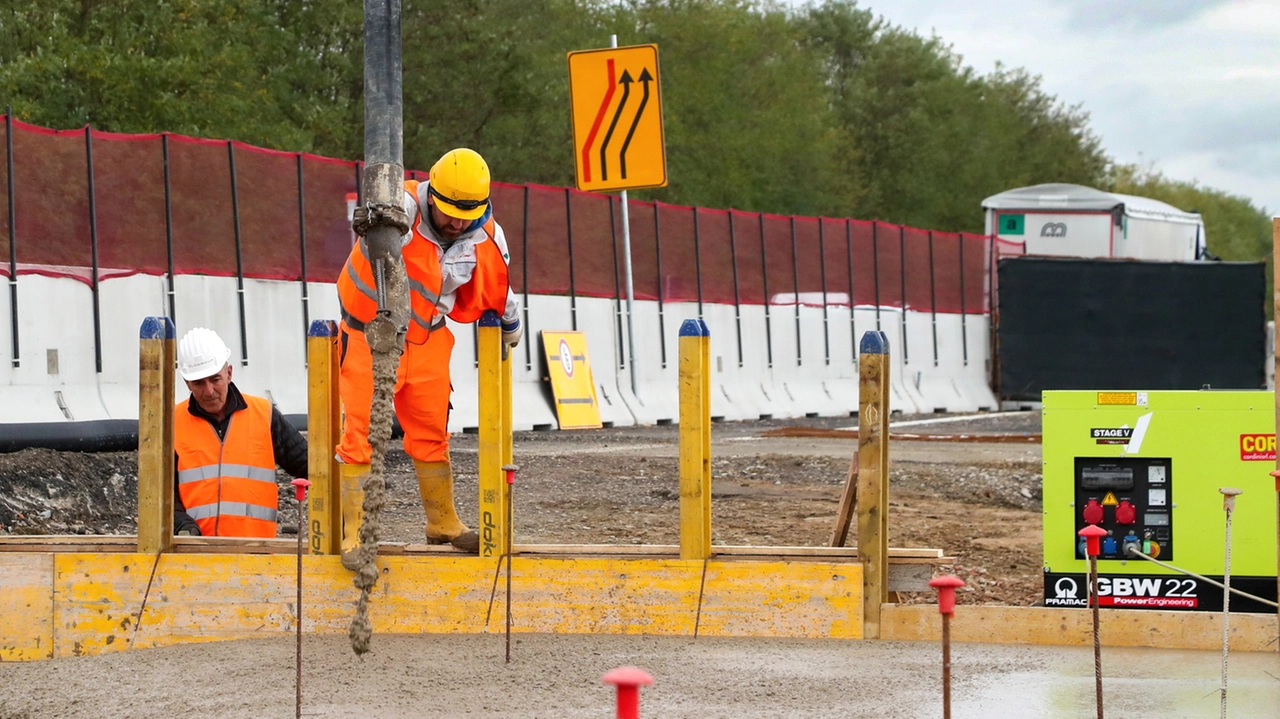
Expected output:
(645, 79)
(625, 81)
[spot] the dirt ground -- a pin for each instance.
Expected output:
(979, 502)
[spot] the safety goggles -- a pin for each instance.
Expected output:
(460, 204)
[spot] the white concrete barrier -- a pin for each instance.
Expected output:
(783, 369)
(800, 363)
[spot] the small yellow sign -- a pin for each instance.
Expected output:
(572, 384)
(616, 108)
(1109, 500)
(1118, 398)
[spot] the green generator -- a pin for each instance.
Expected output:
(1146, 467)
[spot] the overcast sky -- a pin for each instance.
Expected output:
(1192, 86)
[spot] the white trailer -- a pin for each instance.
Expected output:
(1078, 221)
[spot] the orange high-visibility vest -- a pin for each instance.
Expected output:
(228, 486)
(487, 289)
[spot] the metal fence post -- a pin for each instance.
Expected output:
(617, 288)
(662, 324)
(795, 280)
(13, 238)
(93, 251)
(737, 293)
(302, 248)
(573, 288)
(875, 266)
(902, 277)
(853, 302)
(964, 333)
(933, 301)
(168, 227)
(822, 265)
(697, 258)
(524, 270)
(235, 215)
(768, 300)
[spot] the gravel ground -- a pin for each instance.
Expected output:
(978, 502)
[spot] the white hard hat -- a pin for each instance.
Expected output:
(201, 353)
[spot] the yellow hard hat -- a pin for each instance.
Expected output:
(460, 184)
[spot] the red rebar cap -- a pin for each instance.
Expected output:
(946, 586)
(1276, 474)
(300, 488)
(1092, 535)
(628, 677)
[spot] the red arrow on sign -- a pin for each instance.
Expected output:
(595, 126)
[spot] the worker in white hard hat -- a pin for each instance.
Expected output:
(227, 445)
(456, 257)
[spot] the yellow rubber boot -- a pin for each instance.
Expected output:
(435, 482)
(350, 477)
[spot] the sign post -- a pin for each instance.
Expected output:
(617, 140)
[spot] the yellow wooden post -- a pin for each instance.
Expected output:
(695, 440)
(873, 477)
(495, 432)
(324, 425)
(157, 353)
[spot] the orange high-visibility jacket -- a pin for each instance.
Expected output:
(228, 486)
(487, 288)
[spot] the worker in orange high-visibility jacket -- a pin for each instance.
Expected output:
(227, 445)
(456, 259)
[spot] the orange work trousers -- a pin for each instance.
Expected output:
(422, 396)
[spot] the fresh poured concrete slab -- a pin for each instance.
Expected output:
(558, 676)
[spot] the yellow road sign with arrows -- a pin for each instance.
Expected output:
(617, 118)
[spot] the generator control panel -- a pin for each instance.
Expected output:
(1146, 467)
(1131, 498)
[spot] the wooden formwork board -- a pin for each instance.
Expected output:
(1074, 627)
(58, 605)
(26, 607)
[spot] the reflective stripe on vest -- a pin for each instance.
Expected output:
(358, 299)
(228, 485)
(234, 509)
(211, 471)
(358, 326)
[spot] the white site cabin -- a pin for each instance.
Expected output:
(1078, 221)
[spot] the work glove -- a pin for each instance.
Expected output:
(189, 530)
(512, 331)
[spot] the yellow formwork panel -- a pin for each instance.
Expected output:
(804, 600)
(26, 607)
(1074, 627)
(77, 604)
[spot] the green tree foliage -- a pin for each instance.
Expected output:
(492, 75)
(269, 73)
(926, 138)
(822, 110)
(746, 113)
